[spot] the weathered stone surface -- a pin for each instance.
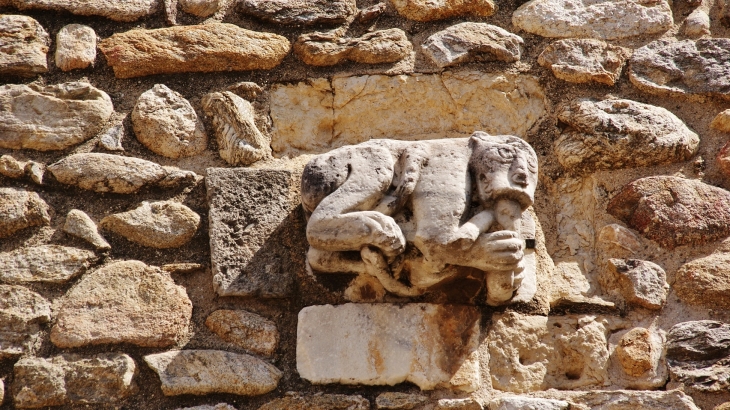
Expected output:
(257, 234)
(80, 225)
(239, 140)
(219, 406)
(20, 209)
(23, 46)
(674, 211)
(301, 12)
(34, 171)
(318, 116)
(133, 303)
(469, 41)
(698, 354)
(244, 329)
(75, 47)
(45, 263)
(634, 352)
(22, 313)
(212, 371)
(697, 24)
(52, 117)
(111, 139)
(721, 122)
(692, 68)
(114, 173)
(11, 167)
(585, 60)
(527, 403)
(295, 401)
(705, 281)
(128, 10)
(183, 49)
(201, 8)
(384, 344)
(601, 19)
(723, 160)
(68, 379)
(167, 124)
(160, 224)
(642, 283)
(325, 49)
(628, 399)
(637, 358)
(425, 10)
(457, 404)
(617, 235)
(615, 134)
(399, 401)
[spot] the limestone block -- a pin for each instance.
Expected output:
(326, 49)
(201, 8)
(20, 209)
(127, 10)
(301, 12)
(52, 117)
(637, 358)
(80, 225)
(469, 41)
(23, 46)
(72, 379)
(257, 233)
(384, 344)
(159, 224)
(705, 281)
(295, 401)
(429, 10)
(399, 401)
(642, 283)
(585, 60)
(697, 354)
(457, 404)
(45, 263)
(620, 399)
(212, 371)
(133, 303)
(527, 403)
(22, 315)
(184, 49)
(244, 329)
(75, 47)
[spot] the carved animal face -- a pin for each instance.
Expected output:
(503, 166)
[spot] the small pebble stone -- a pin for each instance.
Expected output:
(75, 47)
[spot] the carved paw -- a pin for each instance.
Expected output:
(385, 234)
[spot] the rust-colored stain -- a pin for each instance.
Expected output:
(457, 325)
(374, 352)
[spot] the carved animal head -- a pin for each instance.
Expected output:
(503, 166)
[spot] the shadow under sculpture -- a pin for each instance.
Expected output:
(416, 215)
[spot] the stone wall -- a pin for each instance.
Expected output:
(152, 238)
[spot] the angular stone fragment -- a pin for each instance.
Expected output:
(721, 122)
(697, 23)
(80, 225)
(399, 401)
(23, 46)
(52, 117)
(634, 352)
(200, 8)
(469, 41)
(185, 49)
(111, 139)
(705, 281)
(457, 404)
(244, 329)
(257, 238)
(127, 10)
(167, 124)
(35, 171)
(75, 47)
(114, 173)
(693, 68)
(20, 209)
(698, 353)
(617, 235)
(527, 403)
(601, 19)
(365, 343)
(11, 168)
(212, 371)
(160, 224)
(45, 263)
(239, 140)
(629, 399)
(326, 49)
(70, 379)
(300, 12)
(294, 401)
(615, 134)
(674, 211)
(22, 313)
(585, 60)
(642, 283)
(429, 10)
(132, 303)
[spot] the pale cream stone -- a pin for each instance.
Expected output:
(697, 24)
(45, 263)
(11, 167)
(302, 116)
(585, 60)
(472, 42)
(244, 329)
(22, 316)
(160, 224)
(398, 401)
(79, 224)
(20, 209)
(428, 10)
(617, 235)
(377, 47)
(124, 10)
(75, 47)
(23, 44)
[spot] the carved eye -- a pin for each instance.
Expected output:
(483, 177)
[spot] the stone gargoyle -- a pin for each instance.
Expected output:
(418, 214)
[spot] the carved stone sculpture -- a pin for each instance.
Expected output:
(416, 215)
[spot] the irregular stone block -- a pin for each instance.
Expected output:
(167, 124)
(22, 312)
(45, 263)
(585, 60)
(620, 399)
(80, 225)
(384, 344)
(113, 10)
(601, 19)
(71, 379)
(302, 12)
(429, 10)
(674, 211)
(527, 403)
(457, 404)
(212, 371)
(257, 234)
(642, 283)
(75, 47)
(697, 354)
(634, 352)
(23, 45)
(11, 168)
(52, 117)
(244, 329)
(132, 303)
(617, 235)
(185, 49)
(200, 8)
(697, 24)
(399, 401)
(160, 224)
(721, 122)
(35, 171)
(705, 281)
(326, 49)
(469, 41)
(723, 160)
(318, 116)
(655, 69)
(20, 209)
(294, 401)
(615, 134)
